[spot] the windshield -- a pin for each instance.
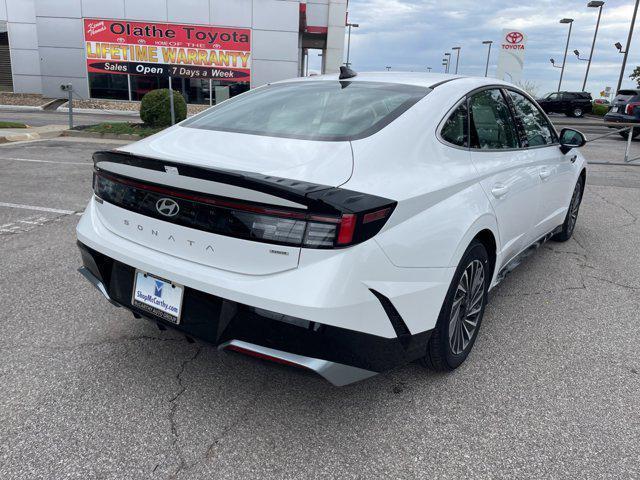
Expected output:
(312, 110)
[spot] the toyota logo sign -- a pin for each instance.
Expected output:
(514, 37)
(167, 207)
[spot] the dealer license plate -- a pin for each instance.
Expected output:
(157, 296)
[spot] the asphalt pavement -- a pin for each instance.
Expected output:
(550, 390)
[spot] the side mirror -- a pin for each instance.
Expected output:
(570, 138)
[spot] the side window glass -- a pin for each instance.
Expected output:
(492, 126)
(537, 129)
(454, 130)
(553, 96)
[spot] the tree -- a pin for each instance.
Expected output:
(635, 75)
(528, 86)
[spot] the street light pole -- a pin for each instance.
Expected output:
(599, 5)
(566, 48)
(487, 42)
(624, 60)
(354, 25)
(457, 57)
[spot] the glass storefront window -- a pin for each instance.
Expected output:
(109, 86)
(141, 85)
(194, 90)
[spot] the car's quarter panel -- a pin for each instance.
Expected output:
(325, 163)
(436, 184)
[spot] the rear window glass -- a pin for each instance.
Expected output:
(314, 110)
(626, 95)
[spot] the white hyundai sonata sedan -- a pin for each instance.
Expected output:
(345, 224)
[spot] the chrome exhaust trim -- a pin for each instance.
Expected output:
(95, 281)
(336, 373)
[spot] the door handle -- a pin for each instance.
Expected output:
(544, 173)
(499, 190)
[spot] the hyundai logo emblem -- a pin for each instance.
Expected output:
(167, 207)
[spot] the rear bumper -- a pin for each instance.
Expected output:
(620, 118)
(340, 355)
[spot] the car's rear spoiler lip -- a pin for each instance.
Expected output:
(317, 198)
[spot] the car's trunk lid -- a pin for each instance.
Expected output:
(187, 165)
(321, 162)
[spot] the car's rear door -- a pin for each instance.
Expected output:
(555, 169)
(509, 175)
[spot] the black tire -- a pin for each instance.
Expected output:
(441, 355)
(571, 219)
(577, 112)
(625, 134)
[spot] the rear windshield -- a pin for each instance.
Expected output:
(312, 110)
(625, 95)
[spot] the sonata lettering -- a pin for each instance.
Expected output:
(171, 238)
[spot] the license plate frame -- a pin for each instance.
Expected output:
(145, 299)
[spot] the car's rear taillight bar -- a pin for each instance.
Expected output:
(631, 107)
(244, 219)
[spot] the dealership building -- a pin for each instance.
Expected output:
(207, 49)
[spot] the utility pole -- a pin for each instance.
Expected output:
(593, 4)
(457, 57)
(566, 48)
(354, 25)
(487, 42)
(626, 52)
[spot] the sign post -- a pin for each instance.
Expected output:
(67, 87)
(171, 105)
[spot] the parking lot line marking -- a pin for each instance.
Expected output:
(44, 161)
(38, 209)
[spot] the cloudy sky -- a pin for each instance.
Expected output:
(414, 34)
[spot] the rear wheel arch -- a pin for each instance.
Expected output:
(484, 230)
(488, 239)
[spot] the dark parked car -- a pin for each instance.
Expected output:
(625, 108)
(573, 104)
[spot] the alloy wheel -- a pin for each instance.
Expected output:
(467, 307)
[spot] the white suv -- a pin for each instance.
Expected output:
(344, 224)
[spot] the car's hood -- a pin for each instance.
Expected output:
(324, 163)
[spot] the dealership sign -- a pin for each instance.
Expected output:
(168, 50)
(511, 60)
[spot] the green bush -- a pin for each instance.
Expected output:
(600, 109)
(155, 109)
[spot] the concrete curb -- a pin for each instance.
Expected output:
(106, 136)
(35, 133)
(26, 108)
(95, 111)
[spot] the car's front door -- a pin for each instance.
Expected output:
(552, 103)
(509, 174)
(556, 170)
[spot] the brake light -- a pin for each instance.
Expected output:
(347, 229)
(631, 106)
(235, 218)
